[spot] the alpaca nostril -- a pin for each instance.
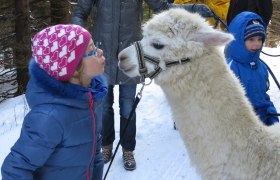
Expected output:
(122, 57)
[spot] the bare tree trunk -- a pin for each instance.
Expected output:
(60, 12)
(273, 39)
(22, 46)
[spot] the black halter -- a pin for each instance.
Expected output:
(144, 57)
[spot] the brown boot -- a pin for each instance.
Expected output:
(107, 153)
(129, 162)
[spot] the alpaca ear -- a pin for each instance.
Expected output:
(213, 37)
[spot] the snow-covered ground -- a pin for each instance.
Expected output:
(160, 152)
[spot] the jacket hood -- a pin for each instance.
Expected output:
(237, 48)
(42, 89)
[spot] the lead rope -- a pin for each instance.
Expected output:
(136, 101)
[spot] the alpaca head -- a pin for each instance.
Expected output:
(170, 36)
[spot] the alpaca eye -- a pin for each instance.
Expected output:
(157, 45)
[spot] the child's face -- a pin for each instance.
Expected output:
(93, 63)
(254, 44)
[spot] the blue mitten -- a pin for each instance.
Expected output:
(271, 118)
(261, 112)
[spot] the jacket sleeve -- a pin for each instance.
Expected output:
(157, 5)
(271, 112)
(40, 134)
(81, 12)
(266, 111)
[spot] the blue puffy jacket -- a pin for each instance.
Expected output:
(249, 69)
(60, 136)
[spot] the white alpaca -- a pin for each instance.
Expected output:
(225, 139)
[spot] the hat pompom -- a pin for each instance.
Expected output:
(254, 28)
(59, 49)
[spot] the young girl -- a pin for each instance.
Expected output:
(60, 136)
(244, 59)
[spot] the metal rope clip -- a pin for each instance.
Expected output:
(139, 95)
(180, 61)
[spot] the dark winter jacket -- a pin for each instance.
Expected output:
(117, 24)
(60, 134)
(262, 7)
(249, 69)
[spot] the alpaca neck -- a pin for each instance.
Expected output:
(206, 99)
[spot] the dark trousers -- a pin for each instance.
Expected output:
(261, 7)
(126, 100)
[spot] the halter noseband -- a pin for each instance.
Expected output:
(154, 60)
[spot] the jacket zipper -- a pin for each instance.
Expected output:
(94, 135)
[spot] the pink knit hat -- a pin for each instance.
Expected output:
(59, 49)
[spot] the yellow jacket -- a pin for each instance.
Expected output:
(220, 7)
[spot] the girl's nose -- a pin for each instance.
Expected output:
(99, 52)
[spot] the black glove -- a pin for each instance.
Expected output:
(201, 9)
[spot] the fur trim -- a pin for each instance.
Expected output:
(53, 86)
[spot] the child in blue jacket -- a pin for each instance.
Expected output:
(244, 60)
(60, 137)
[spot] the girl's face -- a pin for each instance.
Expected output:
(254, 44)
(93, 62)
(90, 66)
